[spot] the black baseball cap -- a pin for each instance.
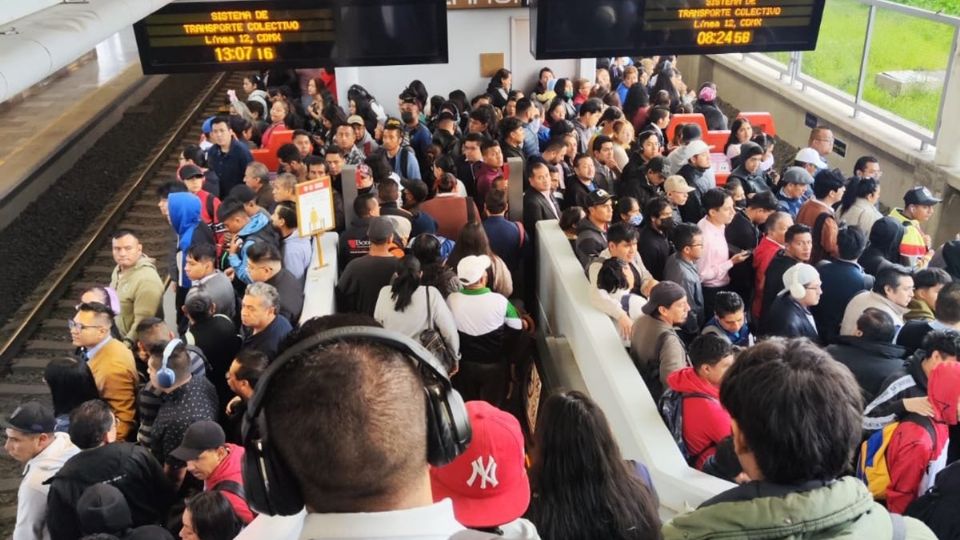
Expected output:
(920, 195)
(189, 171)
(199, 437)
(31, 417)
(598, 197)
(416, 188)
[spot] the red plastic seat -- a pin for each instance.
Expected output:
(279, 138)
(760, 120)
(268, 157)
(679, 119)
(721, 178)
(716, 139)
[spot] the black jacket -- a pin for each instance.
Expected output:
(353, 242)
(841, 282)
(752, 183)
(789, 319)
(131, 469)
(871, 362)
(742, 234)
(633, 181)
(692, 212)
(654, 249)
(590, 241)
(219, 340)
(773, 279)
(576, 194)
(716, 120)
(938, 507)
(912, 334)
(536, 208)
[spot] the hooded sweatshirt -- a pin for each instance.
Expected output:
(841, 508)
(913, 457)
(128, 467)
(140, 292)
(184, 209)
(884, 246)
(705, 421)
(32, 494)
(230, 470)
(238, 261)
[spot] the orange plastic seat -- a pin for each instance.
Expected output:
(679, 119)
(760, 120)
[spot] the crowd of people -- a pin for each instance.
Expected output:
(797, 341)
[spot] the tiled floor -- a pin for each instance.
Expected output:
(32, 129)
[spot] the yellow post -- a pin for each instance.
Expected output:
(316, 239)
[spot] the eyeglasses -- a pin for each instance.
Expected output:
(74, 325)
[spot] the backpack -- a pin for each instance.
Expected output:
(671, 409)
(872, 460)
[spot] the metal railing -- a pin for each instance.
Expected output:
(792, 72)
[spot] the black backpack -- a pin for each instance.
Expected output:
(671, 409)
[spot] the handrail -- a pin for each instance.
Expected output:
(73, 267)
(794, 70)
(610, 376)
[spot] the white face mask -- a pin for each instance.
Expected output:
(766, 164)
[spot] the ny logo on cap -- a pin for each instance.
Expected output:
(486, 473)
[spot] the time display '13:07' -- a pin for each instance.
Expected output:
(201, 36)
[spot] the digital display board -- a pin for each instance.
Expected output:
(578, 29)
(262, 34)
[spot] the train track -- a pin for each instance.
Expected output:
(40, 329)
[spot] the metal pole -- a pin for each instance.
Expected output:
(863, 59)
(946, 82)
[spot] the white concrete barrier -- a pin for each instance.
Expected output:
(610, 376)
(318, 294)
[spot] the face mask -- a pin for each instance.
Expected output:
(407, 117)
(568, 94)
(740, 204)
(766, 164)
(666, 224)
(636, 220)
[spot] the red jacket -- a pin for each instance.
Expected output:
(705, 421)
(762, 256)
(909, 453)
(231, 469)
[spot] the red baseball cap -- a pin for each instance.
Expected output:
(488, 482)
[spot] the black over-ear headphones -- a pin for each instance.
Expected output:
(271, 487)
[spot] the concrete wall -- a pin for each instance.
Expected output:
(470, 32)
(603, 367)
(750, 86)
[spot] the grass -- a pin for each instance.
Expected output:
(899, 43)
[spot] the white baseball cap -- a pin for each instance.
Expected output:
(471, 268)
(809, 155)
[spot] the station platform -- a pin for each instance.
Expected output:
(44, 131)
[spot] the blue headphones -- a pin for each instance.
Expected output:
(166, 377)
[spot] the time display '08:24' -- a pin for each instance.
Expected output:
(724, 37)
(244, 54)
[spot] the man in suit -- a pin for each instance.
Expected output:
(538, 202)
(538, 205)
(110, 361)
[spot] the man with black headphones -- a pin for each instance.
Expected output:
(347, 423)
(185, 399)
